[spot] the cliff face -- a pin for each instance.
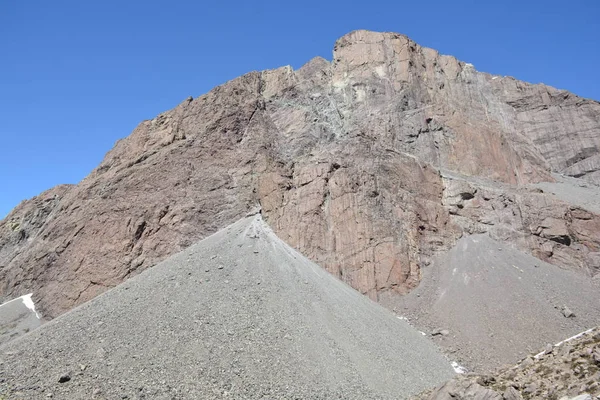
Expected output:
(369, 165)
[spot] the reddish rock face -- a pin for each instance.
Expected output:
(369, 165)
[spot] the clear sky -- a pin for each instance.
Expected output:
(77, 75)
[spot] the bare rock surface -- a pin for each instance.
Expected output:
(497, 303)
(238, 315)
(569, 370)
(370, 165)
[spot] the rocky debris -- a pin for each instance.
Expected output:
(568, 372)
(300, 334)
(566, 311)
(359, 163)
(481, 288)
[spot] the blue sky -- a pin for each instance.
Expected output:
(75, 76)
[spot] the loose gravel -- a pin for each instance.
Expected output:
(497, 304)
(239, 315)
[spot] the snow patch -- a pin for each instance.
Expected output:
(28, 302)
(580, 334)
(458, 369)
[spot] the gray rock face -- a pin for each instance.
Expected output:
(369, 164)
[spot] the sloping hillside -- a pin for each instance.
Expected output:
(238, 315)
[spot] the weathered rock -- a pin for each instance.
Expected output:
(566, 311)
(512, 394)
(369, 164)
(536, 377)
(463, 389)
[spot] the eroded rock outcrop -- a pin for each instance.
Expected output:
(349, 160)
(569, 370)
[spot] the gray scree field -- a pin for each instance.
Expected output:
(238, 315)
(497, 304)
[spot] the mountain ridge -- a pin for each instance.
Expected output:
(345, 158)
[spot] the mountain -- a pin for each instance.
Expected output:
(238, 315)
(371, 165)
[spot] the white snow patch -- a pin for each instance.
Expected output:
(565, 341)
(458, 369)
(403, 318)
(494, 77)
(454, 272)
(28, 302)
(422, 333)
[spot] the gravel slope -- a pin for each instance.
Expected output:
(16, 318)
(497, 303)
(574, 191)
(238, 315)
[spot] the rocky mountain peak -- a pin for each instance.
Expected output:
(370, 165)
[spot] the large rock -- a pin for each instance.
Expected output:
(344, 157)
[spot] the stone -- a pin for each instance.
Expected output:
(567, 313)
(66, 377)
(512, 394)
